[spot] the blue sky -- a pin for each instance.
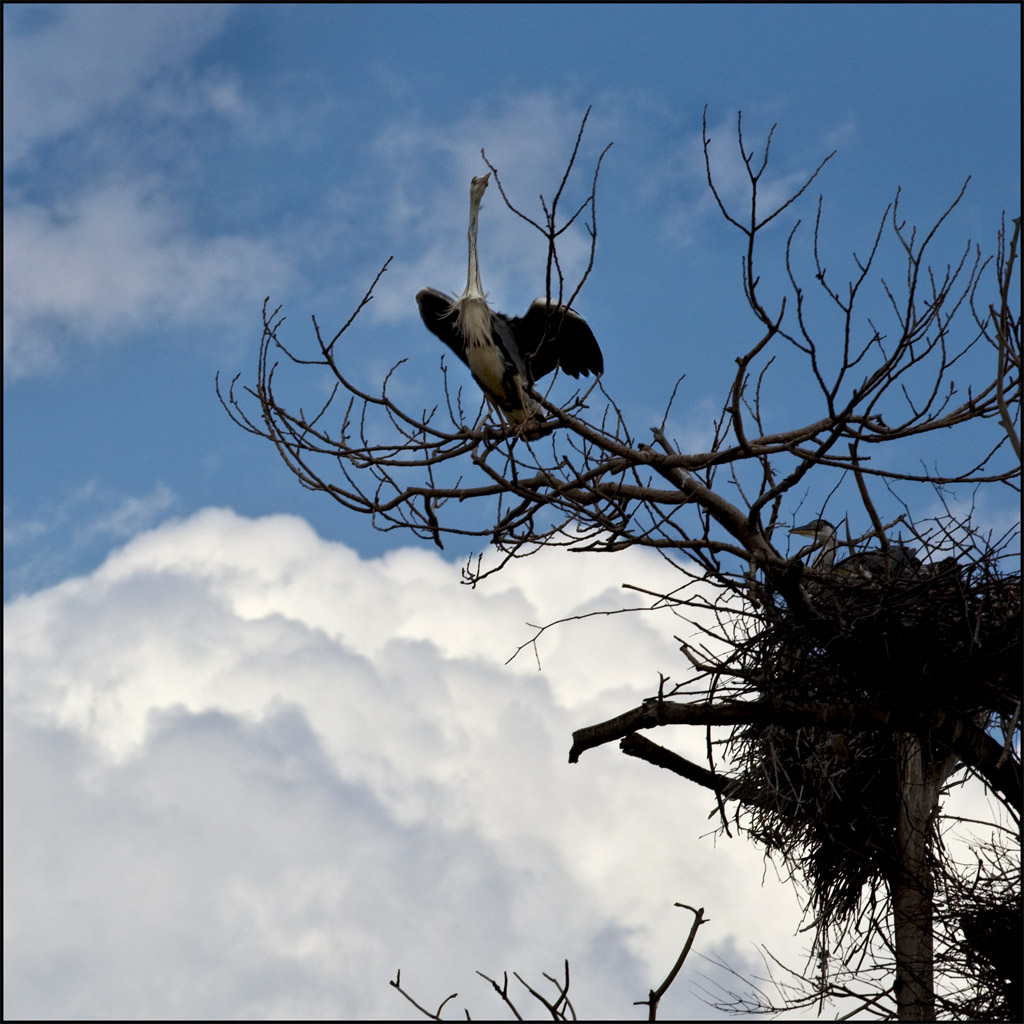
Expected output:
(166, 167)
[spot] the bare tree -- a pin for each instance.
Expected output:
(842, 702)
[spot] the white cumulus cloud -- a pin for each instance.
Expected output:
(250, 773)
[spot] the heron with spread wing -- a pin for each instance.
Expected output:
(507, 355)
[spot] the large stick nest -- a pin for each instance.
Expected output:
(940, 636)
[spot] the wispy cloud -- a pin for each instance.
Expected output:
(101, 239)
(423, 169)
(679, 180)
(42, 545)
(114, 260)
(67, 64)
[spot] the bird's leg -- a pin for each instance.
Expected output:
(502, 418)
(489, 407)
(526, 402)
(532, 428)
(523, 399)
(482, 418)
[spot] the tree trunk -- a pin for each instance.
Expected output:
(912, 888)
(912, 885)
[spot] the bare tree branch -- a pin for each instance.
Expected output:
(839, 695)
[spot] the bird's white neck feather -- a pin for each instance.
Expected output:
(827, 555)
(474, 314)
(474, 288)
(474, 321)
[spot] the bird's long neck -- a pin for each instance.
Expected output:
(474, 315)
(827, 556)
(474, 289)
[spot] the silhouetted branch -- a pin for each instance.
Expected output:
(822, 690)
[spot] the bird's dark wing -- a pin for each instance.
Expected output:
(560, 337)
(874, 564)
(440, 317)
(904, 561)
